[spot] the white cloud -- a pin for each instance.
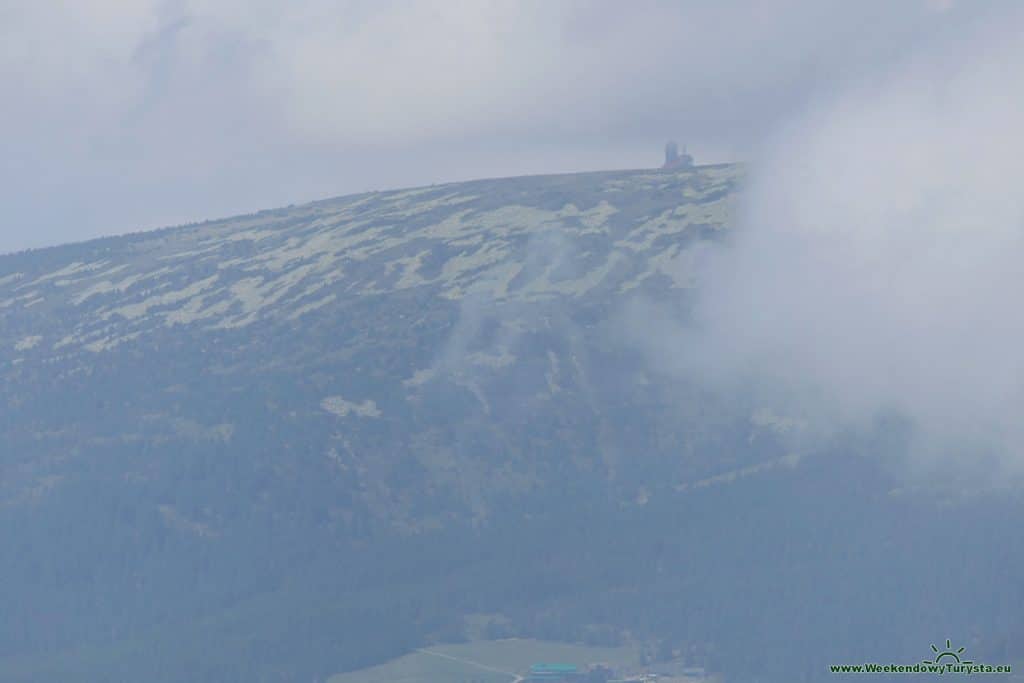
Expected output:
(878, 268)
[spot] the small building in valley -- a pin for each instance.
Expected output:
(554, 673)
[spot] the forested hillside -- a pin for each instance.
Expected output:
(284, 445)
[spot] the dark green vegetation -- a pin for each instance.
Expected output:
(306, 441)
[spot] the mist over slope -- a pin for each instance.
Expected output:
(889, 282)
(278, 446)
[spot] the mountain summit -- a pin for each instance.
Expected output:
(283, 445)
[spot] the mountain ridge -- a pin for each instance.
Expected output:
(311, 439)
(240, 246)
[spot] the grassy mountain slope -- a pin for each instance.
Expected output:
(279, 446)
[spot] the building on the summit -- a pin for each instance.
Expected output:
(673, 159)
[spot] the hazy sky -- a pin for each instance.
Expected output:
(119, 116)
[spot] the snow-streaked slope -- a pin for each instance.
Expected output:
(515, 239)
